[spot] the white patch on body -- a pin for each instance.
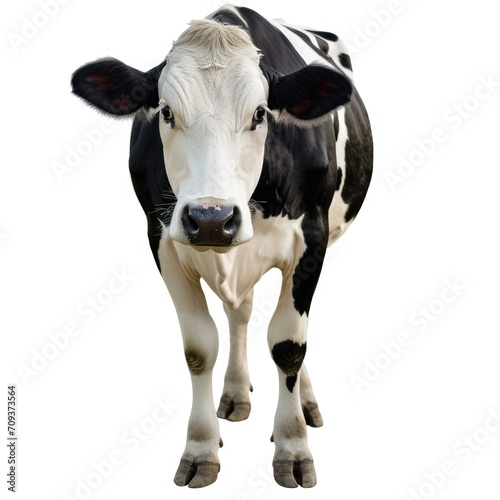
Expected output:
(277, 242)
(338, 208)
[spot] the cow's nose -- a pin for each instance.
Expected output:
(211, 225)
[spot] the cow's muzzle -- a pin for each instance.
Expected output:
(211, 224)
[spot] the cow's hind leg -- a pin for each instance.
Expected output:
(199, 465)
(235, 401)
(309, 405)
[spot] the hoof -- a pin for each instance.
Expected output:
(233, 411)
(196, 475)
(290, 474)
(312, 415)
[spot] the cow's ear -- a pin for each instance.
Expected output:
(115, 88)
(309, 93)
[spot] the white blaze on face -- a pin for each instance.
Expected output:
(212, 124)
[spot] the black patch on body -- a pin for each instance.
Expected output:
(322, 44)
(149, 178)
(299, 179)
(291, 380)
(289, 356)
(358, 157)
(345, 60)
(339, 178)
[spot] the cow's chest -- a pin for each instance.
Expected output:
(277, 242)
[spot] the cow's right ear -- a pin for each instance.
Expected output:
(115, 88)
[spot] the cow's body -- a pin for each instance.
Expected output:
(313, 181)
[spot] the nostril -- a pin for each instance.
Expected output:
(233, 222)
(189, 222)
(193, 225)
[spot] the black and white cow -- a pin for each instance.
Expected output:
(250, 150)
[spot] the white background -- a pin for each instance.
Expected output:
(61, 239)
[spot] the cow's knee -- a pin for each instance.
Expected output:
(288, 356)
(196, 360)
(201, 354)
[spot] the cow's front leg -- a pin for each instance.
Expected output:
(292, 462)
(235, 402)
(199, 465)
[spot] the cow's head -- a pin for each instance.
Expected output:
(214, 96)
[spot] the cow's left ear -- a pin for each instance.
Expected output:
(115, 88)
(309, 93)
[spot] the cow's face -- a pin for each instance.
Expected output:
(213, 98)
(213, 125)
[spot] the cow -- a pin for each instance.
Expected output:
(250, 150)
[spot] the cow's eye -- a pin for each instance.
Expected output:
(167, 114)
(259, 114)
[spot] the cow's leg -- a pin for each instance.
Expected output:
(309, 405)
(199, 464)
(235, 402)
(292, 462)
